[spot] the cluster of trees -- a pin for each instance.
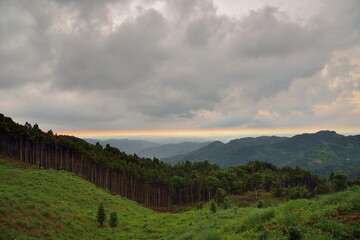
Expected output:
(101, 217)
(147, 181)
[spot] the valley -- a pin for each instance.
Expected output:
(46, 204)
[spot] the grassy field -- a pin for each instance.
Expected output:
(47, 204)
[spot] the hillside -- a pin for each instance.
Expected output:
(41, 204)
(171, 149)
(59, 205)
(321, 153)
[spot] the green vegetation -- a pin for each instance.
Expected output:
(213, 206)
(45, 204)
(101, 215)
(147, 181)
(38, 200)
(321, 153)
(113, 221)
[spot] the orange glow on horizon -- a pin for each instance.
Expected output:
(202, 133)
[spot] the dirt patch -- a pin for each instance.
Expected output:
(18, 163)
(161, 209)
(352, 218)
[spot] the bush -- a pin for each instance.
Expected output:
(213, 206)
(338, 181)
(226, 203)
(199, 206)
(113, 222)
(243, 204)
(220, 195)
(260, 204)
(259, 217)
(297, 192)
(278, 191)
(294, 234)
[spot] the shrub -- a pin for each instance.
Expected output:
(259, 217)
(260, 204)
(220, 195)
(297, 192)
(113, 221)
(294, 234)
(243, 204)
(226, 203)
(213, 206)
(199, 206)
(338, 181)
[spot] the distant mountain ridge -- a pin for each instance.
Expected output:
(151, 149)
(126, 145)
(322, 152)
(171, 149)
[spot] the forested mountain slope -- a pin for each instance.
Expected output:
(321, 153)
(171, 149)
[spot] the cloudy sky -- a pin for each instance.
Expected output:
(181, 65)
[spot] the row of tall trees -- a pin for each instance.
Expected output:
(143, 180)
(147, 181)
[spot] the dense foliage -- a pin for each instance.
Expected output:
(147, 181)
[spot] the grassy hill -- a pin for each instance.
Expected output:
(47, 204)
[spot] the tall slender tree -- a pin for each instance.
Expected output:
(101, 215)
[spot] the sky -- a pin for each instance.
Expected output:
(185, 68)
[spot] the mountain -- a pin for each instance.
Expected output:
(171, 149)
(126, 145)
(322, 152)
(230, 154)
(150, 149)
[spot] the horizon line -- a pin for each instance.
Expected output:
(202, 133)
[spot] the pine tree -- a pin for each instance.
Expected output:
(113, 221)
(101, 215)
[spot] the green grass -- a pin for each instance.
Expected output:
(47, 204)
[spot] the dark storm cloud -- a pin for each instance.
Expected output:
(182, 62)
